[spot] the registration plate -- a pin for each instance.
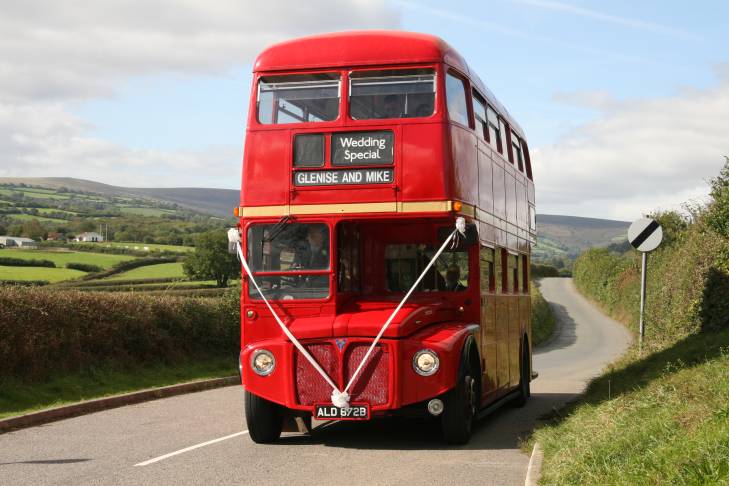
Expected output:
(354, 412)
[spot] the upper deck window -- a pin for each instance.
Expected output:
(298, 98)
(401, 93)
(479, 111)
(516, 149)
(456, 95)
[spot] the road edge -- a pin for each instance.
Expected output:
(90, 406)
(534, 469)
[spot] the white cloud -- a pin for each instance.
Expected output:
(629, 22)
(55, 53)
(637, 156)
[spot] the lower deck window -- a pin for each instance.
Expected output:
(290, 252)
(404, 263)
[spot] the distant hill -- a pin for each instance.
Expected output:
(558, 236)
(216, 202)
(567, 236)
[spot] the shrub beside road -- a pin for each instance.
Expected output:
(660, 417)
(53, 337)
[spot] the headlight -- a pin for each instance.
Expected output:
(426, 362)
(263, 362)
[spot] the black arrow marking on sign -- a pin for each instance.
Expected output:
(652, 226)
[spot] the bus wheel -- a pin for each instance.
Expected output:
(524, 391)
(460, 405)
(264, 419)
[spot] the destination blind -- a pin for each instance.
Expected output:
(362, 148)
(344, 177)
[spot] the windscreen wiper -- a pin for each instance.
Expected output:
(277, 229)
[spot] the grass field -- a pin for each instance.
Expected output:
(146, 211)
(61, 258)
(161, 270)
(33, 194)
(41, 219)
(149, 246)
(38, 273)
(19, 398)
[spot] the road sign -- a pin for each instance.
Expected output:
(645, 234)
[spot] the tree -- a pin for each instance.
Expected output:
(33, 229)
(211, 259)
(718, 215)
(673, 224)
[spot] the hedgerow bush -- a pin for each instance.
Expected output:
(84, 267)
(21, 262)
(687, 277)
(47, 332)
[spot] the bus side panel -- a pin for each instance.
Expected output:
(266, 165)
(502, 340)
(488, 344)
(515, 334)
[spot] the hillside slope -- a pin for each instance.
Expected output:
(217, 202)
(567, 236)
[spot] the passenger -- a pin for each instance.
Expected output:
(391, 107)
(453, 279)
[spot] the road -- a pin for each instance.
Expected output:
(200, 438)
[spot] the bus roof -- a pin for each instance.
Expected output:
(370, 48)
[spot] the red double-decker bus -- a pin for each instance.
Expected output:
(362, 150)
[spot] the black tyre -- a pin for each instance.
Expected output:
(461, 403)
(264, 419)
(525, 376)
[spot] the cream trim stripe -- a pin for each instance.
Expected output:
(377, 207)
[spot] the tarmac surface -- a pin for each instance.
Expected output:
(200, 438)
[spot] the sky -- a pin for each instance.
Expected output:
(625, 104)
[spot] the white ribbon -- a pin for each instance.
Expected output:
(340, 398)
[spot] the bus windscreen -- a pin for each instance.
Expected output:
(402, 93)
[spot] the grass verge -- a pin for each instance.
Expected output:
(161, 270)
(39, 273)
(17, 398)
(543, 320)
(657, 419)
(61, 258)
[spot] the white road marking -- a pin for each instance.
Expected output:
(191, 448)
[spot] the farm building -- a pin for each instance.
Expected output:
(17, 241)
(91, 237)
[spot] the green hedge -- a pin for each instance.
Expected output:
(84, 267)
(539, 271)
(25, 283)
(21, 262)
(55, 331)
(687, 285)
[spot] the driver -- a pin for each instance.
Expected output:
(313, 255)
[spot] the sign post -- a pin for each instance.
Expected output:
(644, 235)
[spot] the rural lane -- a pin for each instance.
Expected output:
(152, 442)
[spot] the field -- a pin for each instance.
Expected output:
(149, 246)
(162, 270)
(61, 258)
(50, 275)
(30, 217)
